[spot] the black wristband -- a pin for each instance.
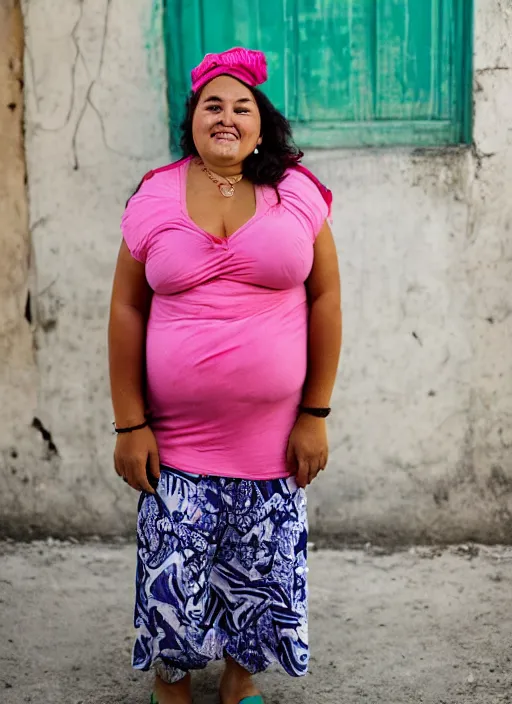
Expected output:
(316, 412)
(119, 431)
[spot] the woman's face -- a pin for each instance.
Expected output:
(226, 125)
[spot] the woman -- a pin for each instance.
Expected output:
(224, 337)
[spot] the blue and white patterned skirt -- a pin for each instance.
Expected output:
(221, 570)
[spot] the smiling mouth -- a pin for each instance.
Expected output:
(225, 136)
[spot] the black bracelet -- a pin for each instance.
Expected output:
(316, 412)
(130, 429)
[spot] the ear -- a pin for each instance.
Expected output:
(260, 140)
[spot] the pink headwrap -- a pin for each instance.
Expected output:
(246, 65)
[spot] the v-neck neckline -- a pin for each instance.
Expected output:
(183, 198)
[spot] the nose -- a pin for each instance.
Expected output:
(228, 117)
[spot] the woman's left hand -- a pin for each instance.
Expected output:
(308, 449)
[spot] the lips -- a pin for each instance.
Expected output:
(227, 136)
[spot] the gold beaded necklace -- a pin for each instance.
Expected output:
(227, 189)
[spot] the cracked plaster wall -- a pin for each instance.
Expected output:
(422, 432)
(18, 374)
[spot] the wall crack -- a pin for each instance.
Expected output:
(87, 101)
(47, 437)
(478, 157)
(491, 69)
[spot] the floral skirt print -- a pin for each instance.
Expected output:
(221, 569)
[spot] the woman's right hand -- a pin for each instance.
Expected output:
(134, 452)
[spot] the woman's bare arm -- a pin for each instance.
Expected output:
(131, 296)
(136, 453)
(308, 449)
(324, 339)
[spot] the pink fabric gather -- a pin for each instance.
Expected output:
(247, 65)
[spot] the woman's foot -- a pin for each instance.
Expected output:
(236, 684)
(178, 693)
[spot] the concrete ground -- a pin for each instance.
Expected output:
(425, 626)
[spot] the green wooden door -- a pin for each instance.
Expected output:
(345, 72)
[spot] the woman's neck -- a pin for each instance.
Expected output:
(223, 170)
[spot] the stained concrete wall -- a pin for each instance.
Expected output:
(18, 373)
(422, 432)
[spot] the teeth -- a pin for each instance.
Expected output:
(225, 135)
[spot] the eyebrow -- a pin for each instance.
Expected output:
(216, 99)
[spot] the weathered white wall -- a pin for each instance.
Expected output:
(95, 122)
(422, 432)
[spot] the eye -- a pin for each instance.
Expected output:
(213, 108)
(242, 111)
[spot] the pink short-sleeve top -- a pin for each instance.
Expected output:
(226, 341)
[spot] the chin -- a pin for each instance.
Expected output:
(226, 152)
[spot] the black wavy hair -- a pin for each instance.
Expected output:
(277, 152)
